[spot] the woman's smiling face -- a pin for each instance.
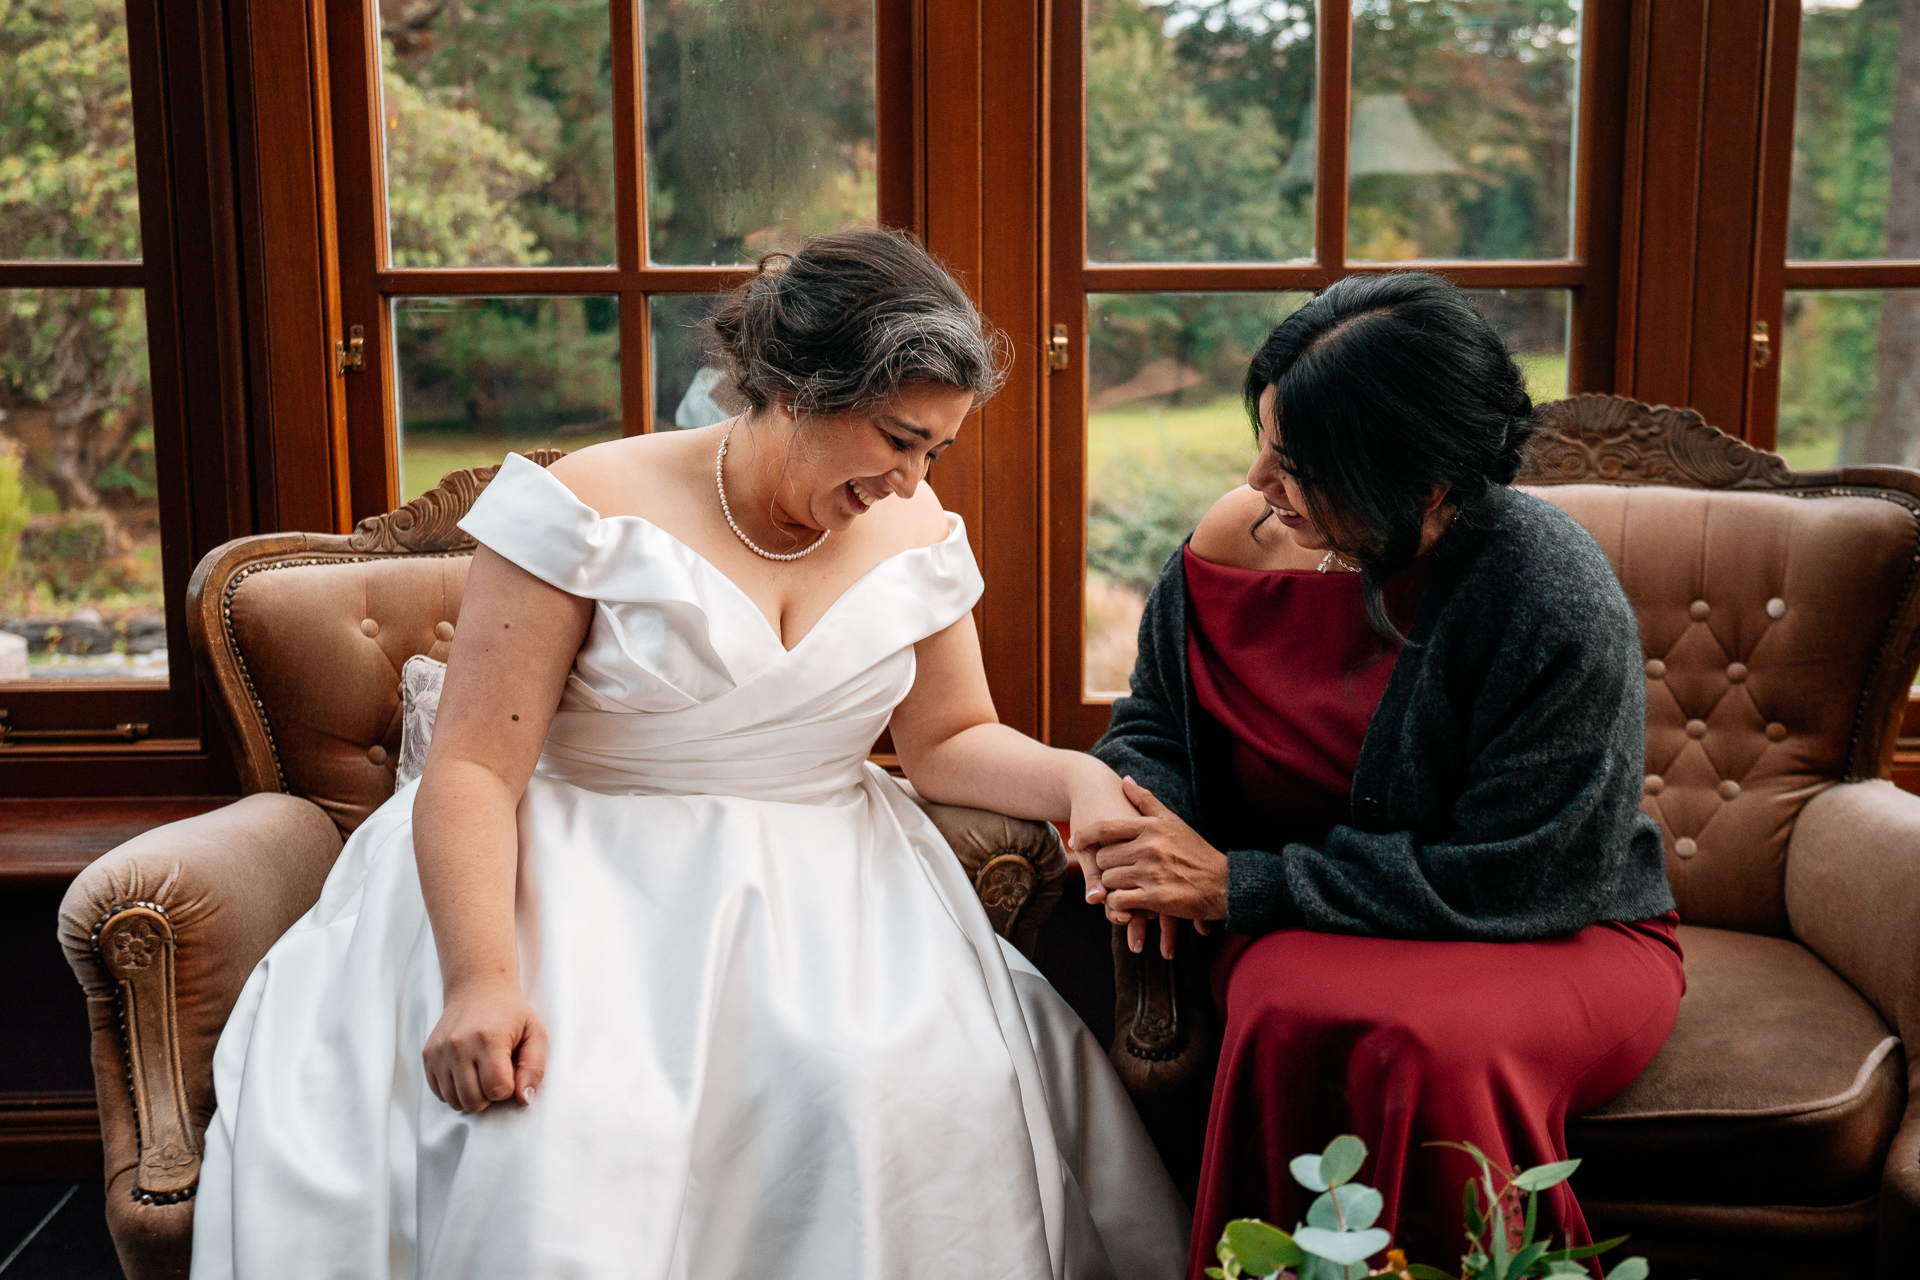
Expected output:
(1269, 477)
(842, 465)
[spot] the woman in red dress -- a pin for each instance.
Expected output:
(1387, 725)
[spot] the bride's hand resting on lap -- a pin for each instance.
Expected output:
(488, 1047)
(1151, 863)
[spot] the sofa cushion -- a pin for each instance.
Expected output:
(323, 645)
(1780, 1085)
(1760, 616)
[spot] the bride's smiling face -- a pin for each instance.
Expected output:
(844, 464)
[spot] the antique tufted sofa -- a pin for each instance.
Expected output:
(1773, 1135)
(301, 638)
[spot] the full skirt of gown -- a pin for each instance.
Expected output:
(783, 1038)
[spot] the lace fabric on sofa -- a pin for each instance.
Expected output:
(420, 682)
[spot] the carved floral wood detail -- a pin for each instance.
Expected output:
(1613, 440)
(430, 522)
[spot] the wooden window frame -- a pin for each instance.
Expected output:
(370, 284)
(191, 271)
(1590, 272)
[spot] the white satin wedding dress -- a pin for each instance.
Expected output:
(784, 1039)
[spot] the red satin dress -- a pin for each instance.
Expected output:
(1403, 1042)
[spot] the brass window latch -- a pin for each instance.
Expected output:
(122, 732)
(1762, 345)
(1059, 355)
(351, 355)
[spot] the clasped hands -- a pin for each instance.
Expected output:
(1145, 863)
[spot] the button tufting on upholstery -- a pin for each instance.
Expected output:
(1728, 789)
(1696, 728)
(1736, 671)
(1656, 668)
(443, 630)
(1776, 608)
(376, 754)
(369, 628)
(1653, 785)
(1699, 610)
(1685, 847)
(1776, 732)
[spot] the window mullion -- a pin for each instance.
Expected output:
(1333, 81)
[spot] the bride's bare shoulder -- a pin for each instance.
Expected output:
(630, 475)
(921, 520)
(1225, 534)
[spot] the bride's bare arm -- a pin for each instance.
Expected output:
(955, 750)
(511, 654)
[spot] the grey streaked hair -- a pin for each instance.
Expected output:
(848, 321)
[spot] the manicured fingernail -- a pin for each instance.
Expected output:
(526, 1096)
(1133, 945)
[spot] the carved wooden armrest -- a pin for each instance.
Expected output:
(162, 933)
(1165, 1034)
(1018, 866)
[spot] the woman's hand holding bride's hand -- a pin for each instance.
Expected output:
(1152, 862)
(488, 1046)
(1095, 800)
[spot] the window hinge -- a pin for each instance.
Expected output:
(10, 735)
(1058, 354)
(1762, 345)
(351, 355)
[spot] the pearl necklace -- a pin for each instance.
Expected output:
(720, 485)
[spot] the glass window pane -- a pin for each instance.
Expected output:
(79, 512)
(1849, 378)
(1534, 323)
(760, 125)
(67, 177)
(1462, 129)
(1843, 135)
(1166, 435)
(1200, 130)
(478, 378)
(688, 383)
(498, 122)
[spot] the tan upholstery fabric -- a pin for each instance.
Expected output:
(1759, 616)
(230, 882)
(1853, 890)
(1744, 1242)
(1780, 1085)
(323, 646)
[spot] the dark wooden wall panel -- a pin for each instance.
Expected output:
(1015, 426)
(1730, 172)
(1691, 220)
(281, 118)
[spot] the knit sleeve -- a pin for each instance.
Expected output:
(1543, 835)
(1146, 739)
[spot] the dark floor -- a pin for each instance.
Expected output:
(55, 1231)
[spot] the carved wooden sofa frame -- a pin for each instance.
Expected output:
(163, 931)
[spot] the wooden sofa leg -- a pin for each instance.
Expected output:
(135, 942)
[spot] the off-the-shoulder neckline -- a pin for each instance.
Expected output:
(956, 529)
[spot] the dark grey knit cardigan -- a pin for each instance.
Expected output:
(1497, 792)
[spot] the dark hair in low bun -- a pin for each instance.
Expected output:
(848, 321)
(1387, 386)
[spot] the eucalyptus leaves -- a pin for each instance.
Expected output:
(1339, 1235)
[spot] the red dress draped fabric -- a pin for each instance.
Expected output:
(1401, 1041)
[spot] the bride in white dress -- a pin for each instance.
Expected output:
(652, 974)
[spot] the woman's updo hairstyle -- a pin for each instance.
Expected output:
(1385, 387)
(848, 321)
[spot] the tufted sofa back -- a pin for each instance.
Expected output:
(302, 636)
(1776, 617)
